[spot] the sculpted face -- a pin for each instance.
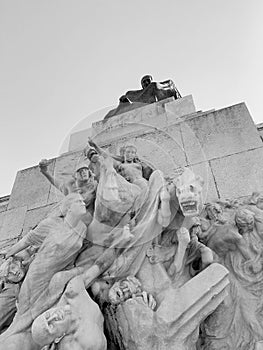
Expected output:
(213, 211)
(83, 174)
(73, 202)
(244, 220)
(189, 192)
(16, 272)
(130, 153)
(123, 290)
(52, 324)
(146, 80)
(78, 206)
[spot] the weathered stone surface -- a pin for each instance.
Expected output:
(12, 224)
(2, 216)
(158, 115)
(239, 174)
(31, 188)
(78, 140)
(178, 108)
(34, 216)
(135, 116)
(193, 149)
(220, 133)
(146, 119)
(163, 148)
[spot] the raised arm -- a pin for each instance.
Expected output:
(98, 149)
(104, 154)
(43, 166)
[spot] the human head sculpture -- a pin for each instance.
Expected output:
(244, 219)
(124, 289)
(82, 172)
(130, 153)
(146, 80)
(213, 211)
(73, 203)
(52, 325)
(12, 270)
(189, 192)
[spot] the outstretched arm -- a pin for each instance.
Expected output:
(98, 149)
(104, 154)
(60, 280)
(43, 166)
(16, 248)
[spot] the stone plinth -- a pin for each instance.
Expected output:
(220, 133)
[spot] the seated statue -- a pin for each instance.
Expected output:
(151, 92)
(75, 323)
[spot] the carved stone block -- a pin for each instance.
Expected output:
(12, 223)
(31, 188)
(220, 133)
(239, 174)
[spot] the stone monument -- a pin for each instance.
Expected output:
(146, 234)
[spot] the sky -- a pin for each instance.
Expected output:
(65, 61)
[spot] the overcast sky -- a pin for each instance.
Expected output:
(62, 60)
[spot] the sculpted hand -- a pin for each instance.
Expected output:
(43, 164)
(148, 299)
(6, 253)
(92, 143)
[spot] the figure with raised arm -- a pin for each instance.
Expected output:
(82, 181)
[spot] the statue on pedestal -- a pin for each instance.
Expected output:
(151, 92)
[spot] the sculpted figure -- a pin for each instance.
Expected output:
(151, 92)
(127, 215)
(129, 156)
(12, 272)
(42, 286)
(136, 320)
(111, 296)
(82, 182)
(221, 235)
(75, 323)
(231, 234)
